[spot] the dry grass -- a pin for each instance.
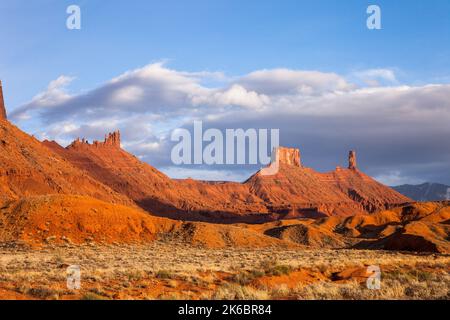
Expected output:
(170, 271)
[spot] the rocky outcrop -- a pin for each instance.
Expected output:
(2, 104)
(111, 140)
(289, 156)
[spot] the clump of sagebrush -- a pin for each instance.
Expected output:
(232, 291)
(275, 269)
(164, 274)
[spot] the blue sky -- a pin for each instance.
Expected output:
(232, 37)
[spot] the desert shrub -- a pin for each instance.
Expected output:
(42, 292)
(280, 292)
(273, 268)
(246, 277)
(242, 278)
(163, 274)
(92, 296)
(257, 273)
(423, 275)
(278, 270)
(237, 292)
(135, 275)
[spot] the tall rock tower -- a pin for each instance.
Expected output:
(113, 139)
(290, 156)
(2, 103)
(352, 160)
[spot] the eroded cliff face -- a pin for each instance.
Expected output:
(2, 104)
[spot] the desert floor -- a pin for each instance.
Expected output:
(167, 270)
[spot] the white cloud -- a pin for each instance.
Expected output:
(54, 95)
(395, 178)
(295, 82)
(236, 95)
(376, 77)
(128, 94)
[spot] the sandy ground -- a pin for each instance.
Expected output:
(167, 270)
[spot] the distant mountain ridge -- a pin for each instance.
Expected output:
(425, 191)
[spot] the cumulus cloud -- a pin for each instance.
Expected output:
(377, 77)
(236, 95)
(400, 132)
(285, 81)
(54, 95)
(395, 178)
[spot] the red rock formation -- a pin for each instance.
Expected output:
(289, 156)
(352, 160)
(2, 104)
(111, 140)
(292, 191)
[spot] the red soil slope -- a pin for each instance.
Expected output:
(79, 219)
(421, 227)
(28, 168)
(76, 219)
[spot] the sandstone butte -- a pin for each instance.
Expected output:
(99, 191)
